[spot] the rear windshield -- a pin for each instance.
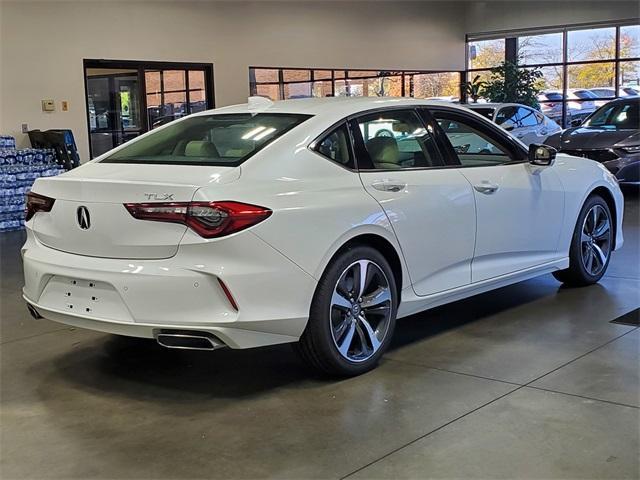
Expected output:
(218, 140)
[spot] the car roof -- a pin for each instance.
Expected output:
(493, 105)
(338, 107)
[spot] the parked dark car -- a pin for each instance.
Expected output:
(610, 135)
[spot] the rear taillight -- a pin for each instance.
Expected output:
(37, 203)
(207, 219)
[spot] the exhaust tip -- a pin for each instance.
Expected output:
(34, 313)
(188, 340)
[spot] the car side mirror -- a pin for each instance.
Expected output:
(576, 122)
(541, 155)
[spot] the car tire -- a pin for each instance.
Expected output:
(592, 242)
(347, 337)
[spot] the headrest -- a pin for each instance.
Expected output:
(383, 150)
(198, 148)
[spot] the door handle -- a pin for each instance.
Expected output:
(486, 187)
(389, 186)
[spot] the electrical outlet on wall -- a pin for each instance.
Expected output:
(25, 128)
(65, 106)
(48, 105)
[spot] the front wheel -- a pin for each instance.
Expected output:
(591, 245)
(352, 315)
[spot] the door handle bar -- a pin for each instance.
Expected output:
(486, 188)
(389, 186)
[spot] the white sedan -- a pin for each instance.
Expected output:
(525, 123)
(296, 221)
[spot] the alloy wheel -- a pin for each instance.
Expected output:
(360, 312)
(595, 240)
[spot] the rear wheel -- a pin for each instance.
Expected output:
(591, 245)
(352, 315)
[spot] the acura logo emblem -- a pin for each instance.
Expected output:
(84, 219)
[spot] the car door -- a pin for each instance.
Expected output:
(519, 206)
(429, 203)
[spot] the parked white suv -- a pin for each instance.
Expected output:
(524, 123)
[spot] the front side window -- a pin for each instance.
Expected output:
(395, 140)
(335, 146)
(220, 140)
(473, 143)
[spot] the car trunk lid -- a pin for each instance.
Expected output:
(89, 216)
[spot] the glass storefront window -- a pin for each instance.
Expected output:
(299, 83)
(269, 91)
(630, 41)
(296, 75)
(629, 78)
(597, 70)
(297, 90)
(592, 44)
(552, 78)
(486, 53)
(322, 74)
(540, 49)
(266, 75)
(322, 89)
(444, 86)
(197, 97)
(591, 75)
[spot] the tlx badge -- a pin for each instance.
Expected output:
(159, 196)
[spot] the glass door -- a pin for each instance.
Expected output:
(113, 100)
(126, 98)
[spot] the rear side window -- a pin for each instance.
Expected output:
(336, 147)
(218, 140)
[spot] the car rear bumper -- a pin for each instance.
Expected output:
(140, 297)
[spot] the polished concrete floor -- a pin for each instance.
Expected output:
(529, 381)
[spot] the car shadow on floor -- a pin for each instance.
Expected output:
(418, 327)
(133, 367)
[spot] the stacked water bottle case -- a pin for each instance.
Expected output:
(18, 170)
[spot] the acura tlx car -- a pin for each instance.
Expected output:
(611, 135)
(298, 221)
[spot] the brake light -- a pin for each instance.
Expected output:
(37, 203)
(207, 219)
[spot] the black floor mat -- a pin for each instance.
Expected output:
(632, 318)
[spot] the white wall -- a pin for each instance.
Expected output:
(43, 45)
(488, 16)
